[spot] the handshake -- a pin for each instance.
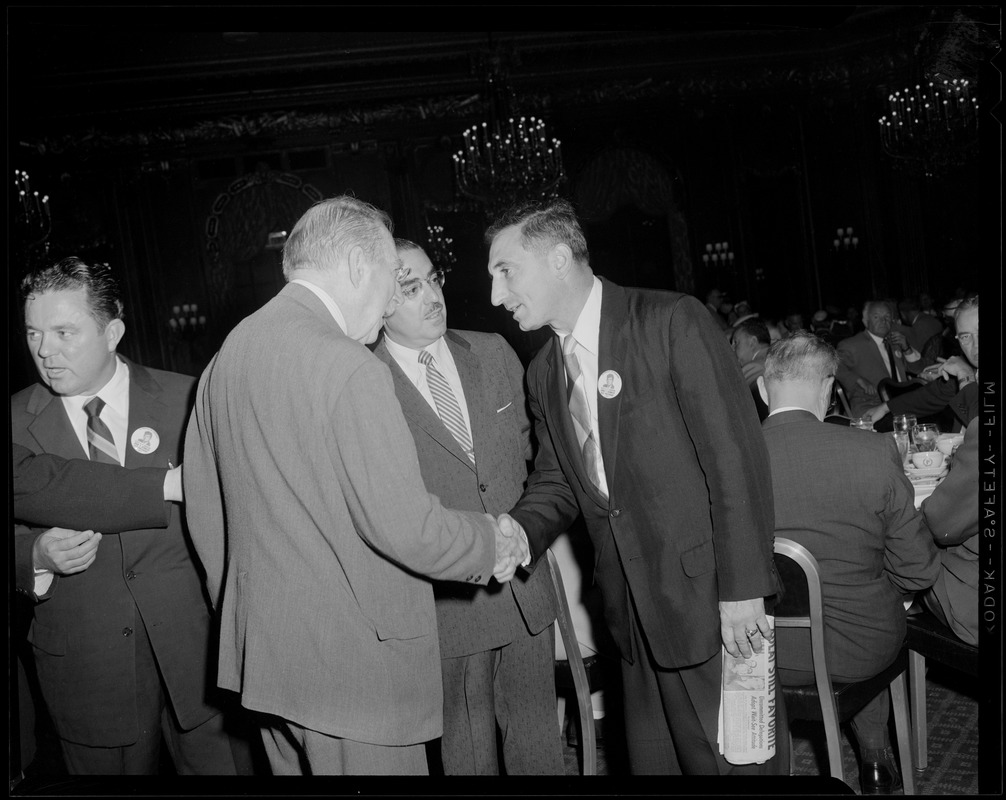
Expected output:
(512, 550)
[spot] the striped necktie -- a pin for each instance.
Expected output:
(576, 395)
(100, 445)
(447, 404)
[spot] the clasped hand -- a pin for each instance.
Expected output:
(65, 552)
(512, 550)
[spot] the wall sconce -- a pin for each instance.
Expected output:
(718, 254)
(845, 239)
(186, 321)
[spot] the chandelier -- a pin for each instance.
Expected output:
(32, 222)
(933, 127)
(509, 157)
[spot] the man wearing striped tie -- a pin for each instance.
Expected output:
(462, 393)
(121, 645)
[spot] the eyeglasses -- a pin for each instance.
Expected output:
(412, 288)
(965, 338)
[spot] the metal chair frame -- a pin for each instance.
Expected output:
(814, 620)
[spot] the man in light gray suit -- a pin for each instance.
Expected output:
(496, 642)
(307, 508)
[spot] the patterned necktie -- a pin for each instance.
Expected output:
(100, 445)
(447, 404)
(576, 395)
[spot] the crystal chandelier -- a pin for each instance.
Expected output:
(933, 127)
(32, 222)
(510, 157)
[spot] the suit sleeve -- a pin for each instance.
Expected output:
(722, 423)
(385, 493)
(911, 561)
(846, 373)
(203, 495)
(548, 506)
(930, 399)
(951, 511)
(81, 495)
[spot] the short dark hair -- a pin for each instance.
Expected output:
(754, 327)
(801, 356)
(104, 293)
(543, 225)
(407, 244)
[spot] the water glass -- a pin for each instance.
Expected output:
(904, 423)
(926, 435)
(863, 423)
(901, 439)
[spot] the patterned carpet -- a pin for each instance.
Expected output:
(952, 710)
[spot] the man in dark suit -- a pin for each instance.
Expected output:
(121, 647)
(872, 355)
(308, 510)
(645, 426)
(952, 514)
(918, 327)
(842, 493)
(497, 648)
(955, 387)
(750, 340)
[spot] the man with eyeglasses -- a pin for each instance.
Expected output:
(463, 398)
(306, 505)
(956, 387)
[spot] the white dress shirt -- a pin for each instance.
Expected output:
(587, 332)
(408, 359)
(115, 415)
(330, 304)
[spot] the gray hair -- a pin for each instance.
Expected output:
(329, 230)
(968, 303)
(802, 356)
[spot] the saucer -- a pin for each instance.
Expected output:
(922, 473)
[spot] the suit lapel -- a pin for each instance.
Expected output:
(613, 341)
(146, 410)
(417, 410)
(51, 427)
(470, 373)
(562, 420)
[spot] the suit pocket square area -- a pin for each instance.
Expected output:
(504, 407)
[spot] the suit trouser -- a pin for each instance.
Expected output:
(295, 750)
(672, 717)
(203, 750)
(513, 685)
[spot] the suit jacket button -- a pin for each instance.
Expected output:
(127, 631)
(615, 512)
(130, 575)
(483, 487)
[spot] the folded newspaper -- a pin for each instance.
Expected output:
(747, 706)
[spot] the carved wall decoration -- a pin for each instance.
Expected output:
(621, 176)
(241, 219)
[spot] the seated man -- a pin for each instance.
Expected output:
(918, 327)
(872, 355)
(842, 494)
(750, 340)
(951, 512)
(956, 388)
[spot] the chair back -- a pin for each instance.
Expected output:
(843, 400)
(802, 606)
(581, 683)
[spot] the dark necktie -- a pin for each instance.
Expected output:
(894, 363)
(100, 445)
(447, 404)
(576, 396)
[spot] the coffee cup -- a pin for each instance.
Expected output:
(929, 459)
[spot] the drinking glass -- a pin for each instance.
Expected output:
(863, 423)
(901, 439)
(905, 423)
(926, 435)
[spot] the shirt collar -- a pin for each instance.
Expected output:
(877, 339)
(325, 298)
(781, 409)
(408, 357)
(587, 329)
(115, 393)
